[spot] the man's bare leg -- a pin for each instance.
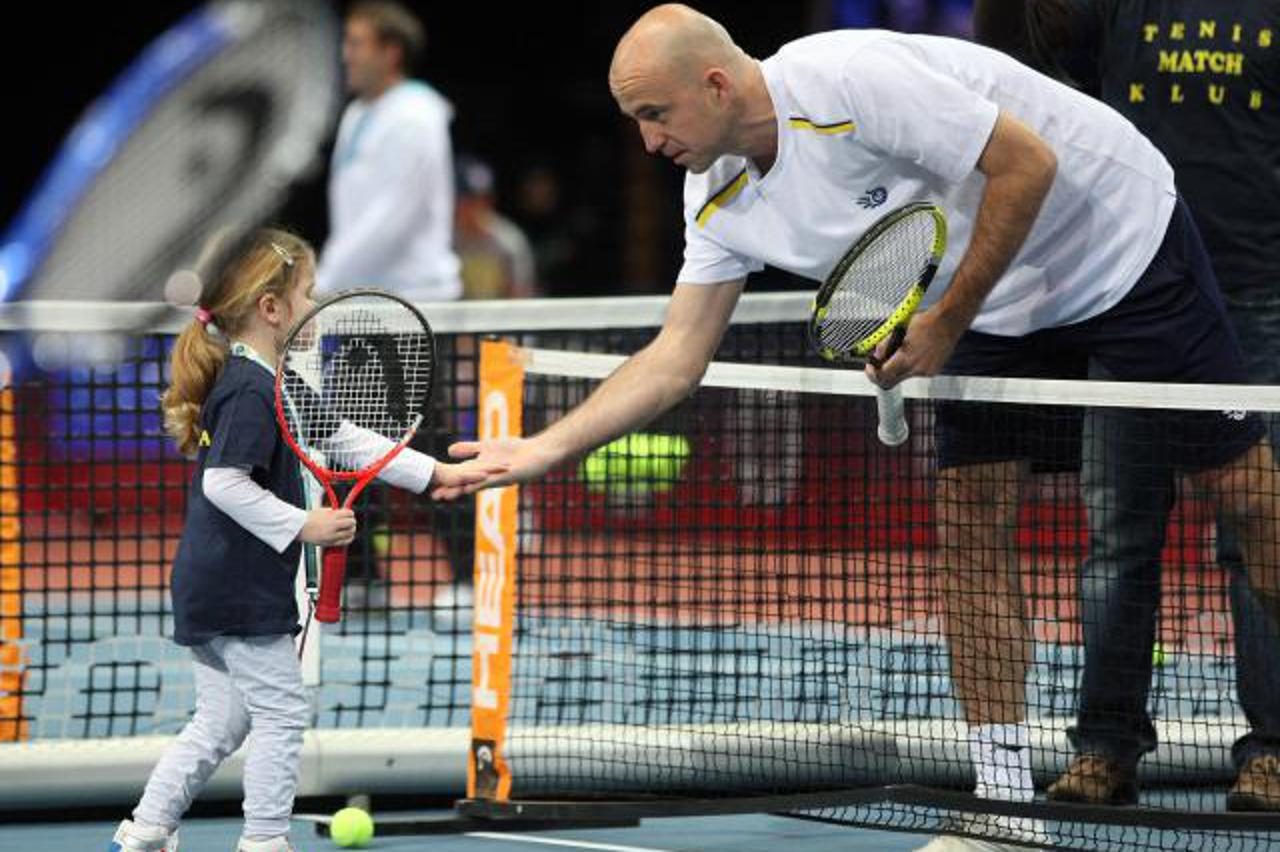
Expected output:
(989, 642)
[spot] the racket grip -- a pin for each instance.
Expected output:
(329, 606)
(893, 430)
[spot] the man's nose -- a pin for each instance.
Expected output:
(653, 138)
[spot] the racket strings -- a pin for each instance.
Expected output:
(357, 380)
(878, 281)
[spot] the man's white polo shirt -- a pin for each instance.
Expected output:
(869, 120)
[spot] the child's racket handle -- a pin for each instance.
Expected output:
(893, 429)
(329, 606)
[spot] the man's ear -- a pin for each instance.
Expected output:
(399, 60)
(717, 83)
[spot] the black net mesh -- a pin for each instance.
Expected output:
(759, 605)
(762, 601)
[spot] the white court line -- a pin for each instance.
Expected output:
(550, 841)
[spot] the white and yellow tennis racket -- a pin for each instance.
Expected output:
(873, 292)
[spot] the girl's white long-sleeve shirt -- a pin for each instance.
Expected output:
(278, 523)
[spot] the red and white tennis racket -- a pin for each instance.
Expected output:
(352, 387)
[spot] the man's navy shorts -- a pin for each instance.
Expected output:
(1171, 327)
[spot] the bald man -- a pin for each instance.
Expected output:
(1067, 243)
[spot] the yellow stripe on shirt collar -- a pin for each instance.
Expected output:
(722, 197)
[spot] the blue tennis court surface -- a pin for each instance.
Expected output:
(760, 833)
(409, 670)
(815, 665)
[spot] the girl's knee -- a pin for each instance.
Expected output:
(287, 711)
(222, 732)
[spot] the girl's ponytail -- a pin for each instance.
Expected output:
(194, 365)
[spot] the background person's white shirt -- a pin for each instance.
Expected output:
(391, 198)
(869, 120)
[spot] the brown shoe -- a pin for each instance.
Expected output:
(1257, 786)
(1092, 779)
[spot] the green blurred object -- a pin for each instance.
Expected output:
(638, 462)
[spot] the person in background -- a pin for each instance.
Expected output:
(391, 178)
(391, 209)
(1192, 76)
(497, 260)
(497, 263)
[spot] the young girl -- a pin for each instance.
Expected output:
(233, 576)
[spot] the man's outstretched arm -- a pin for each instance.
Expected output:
(647, 384)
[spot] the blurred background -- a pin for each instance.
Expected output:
(528, 83)
(92, 493)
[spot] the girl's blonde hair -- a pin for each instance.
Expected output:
(235, 271)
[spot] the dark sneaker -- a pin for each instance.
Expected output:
(1092, 779)
(1257, 786)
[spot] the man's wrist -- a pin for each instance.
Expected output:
(546, 446)
(955, 316)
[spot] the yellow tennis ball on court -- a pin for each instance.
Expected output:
(1158, 655)
(639, 462)
(351, 827)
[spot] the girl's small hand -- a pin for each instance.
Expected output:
(453, 480)
(329, 527)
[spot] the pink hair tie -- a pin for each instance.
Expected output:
(203, 316)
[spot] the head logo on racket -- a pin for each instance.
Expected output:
(352, 388)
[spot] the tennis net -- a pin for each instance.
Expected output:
(747, 606)
(92, 501)
(777, 588)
